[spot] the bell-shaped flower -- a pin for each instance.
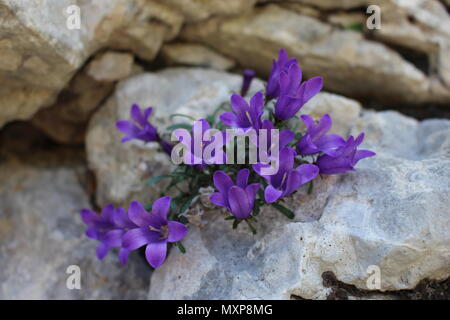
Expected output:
(238, 198)
(245, 116)
(316, 138)
(288, 179)
(293, 93)
(153, 230)
(282, 64)
(344, 158)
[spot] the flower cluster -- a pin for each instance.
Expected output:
(116, 228)
(243, 188)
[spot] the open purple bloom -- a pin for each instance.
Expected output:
(106, 229)
(238, 198)
(316, 140)
(288, 179)
(247, 79)
(344, 158)
(154, 230)
(197, 143)
(245, 116)
(293, 93)
(285, 136)
(140, 128)
(283, 63)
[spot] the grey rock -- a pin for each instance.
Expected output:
(350, 64)
(391, 213)
(41, 235)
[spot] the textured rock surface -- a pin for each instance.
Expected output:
(41, 233)
(350, 64)
(392, 212)
(122, 169)
(195, 10)
(66, 120)
(39, 54)
(194, 55)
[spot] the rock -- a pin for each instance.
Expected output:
(391, 213)
(196, 10)
(423, 27)
(194, 55)
(343, 57)
(122, 169)
(39, 54)
(41, 233)
(111, 66)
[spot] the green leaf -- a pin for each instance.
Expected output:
(230, 218)
(181, 115)
(310, 187)
(179, 126)
(180, 247)
(252, 228)
(288, 213)
(187, 203)
(357, 26)
(158, 179)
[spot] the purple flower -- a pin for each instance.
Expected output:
(283, 63)
(247, 78)
(287, 179)
(154, 230)
(238, 198)
(293, 93)
(245, 116)
(141, 128)
(344, 158)
(316, 140)
(108, 228)
(198, 143)
(284, 138)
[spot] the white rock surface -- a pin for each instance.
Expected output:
(350, 64)
(41, 235)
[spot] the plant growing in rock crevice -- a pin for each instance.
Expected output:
(275, 161)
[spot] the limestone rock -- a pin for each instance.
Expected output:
(349, 63)
(195, 55)
(39, 54)
(41, 235)
(391, 214)
(195, 10)
(111, 66)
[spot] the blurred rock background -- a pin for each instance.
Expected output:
(62, 90)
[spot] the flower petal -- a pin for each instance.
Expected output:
(161, 207)
(177, 231)
(123, 255)
(113, 238)
(239, 203)
(127, 127)
(156, 253)
(138, 214)
(222, 182)
(308, 172)
(229, 119)
(311, 88)
(136, 238)
(136, 114)
(218, 199)
(271, 194)
(242, 178)
(88, 216)
(102, 250)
